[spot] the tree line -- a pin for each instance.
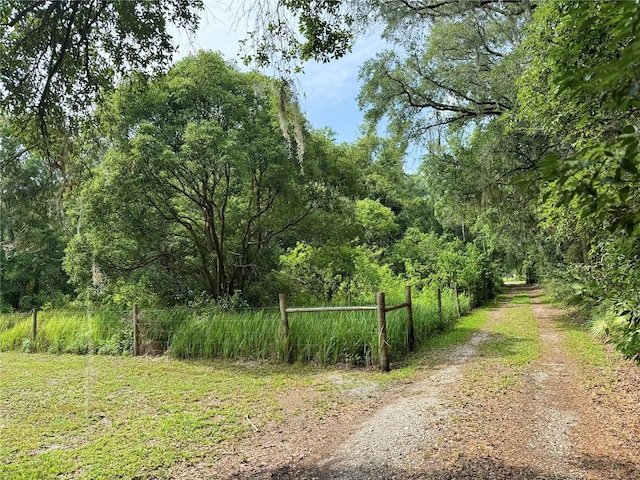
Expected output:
(192, 189)
(174, 189)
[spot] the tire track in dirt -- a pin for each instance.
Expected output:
(388, 443)
(542, 426)
(553, 390)
(389, 439)
(582, 442)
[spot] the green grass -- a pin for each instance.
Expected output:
(594, 360)
(249, 335)
(109, 417)
(585, 348)
(459, 332)
(516, 339)
(521, 298)
(106, 417)
(513, 345)
(321, 338)
(67, 332)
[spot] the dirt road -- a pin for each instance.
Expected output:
(522, 399)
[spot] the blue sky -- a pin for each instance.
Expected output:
(327, 91)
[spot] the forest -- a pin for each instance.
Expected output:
(127, 178)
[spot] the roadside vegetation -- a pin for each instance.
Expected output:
(586, 348)
(129, 178)
(512, 345)
(246, 334)
(106, 416)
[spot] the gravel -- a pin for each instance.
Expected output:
(555, 423)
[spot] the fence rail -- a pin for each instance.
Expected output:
(380, 308)
(330, 309)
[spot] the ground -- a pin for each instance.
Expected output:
(524, 398)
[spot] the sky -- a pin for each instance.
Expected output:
(328, 91)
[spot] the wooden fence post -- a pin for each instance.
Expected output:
(411, 334)
(284, 328)
(439, 296)
(34, 328)
(473, 298)
(383, 351)
(136, 331)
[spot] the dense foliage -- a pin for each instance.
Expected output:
(194, 190)
(535, 109)
(59, 56)
(205, 185)
(540, 156)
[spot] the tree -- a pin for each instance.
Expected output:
(321, 271)
(287, 31)
(461, 71)
(197, 179)
(379, 228)
(581, 90)
(416, 255)
(31, 230)
(59, 56)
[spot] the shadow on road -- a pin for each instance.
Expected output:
(601, 467)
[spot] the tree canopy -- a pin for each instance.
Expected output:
(59, 56)
(534, 106)
(197, 178)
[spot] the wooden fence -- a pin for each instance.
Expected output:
(381, 309)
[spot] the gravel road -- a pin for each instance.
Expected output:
(553, 419)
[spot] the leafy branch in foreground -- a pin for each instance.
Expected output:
(60, 56)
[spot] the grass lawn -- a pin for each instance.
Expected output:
(101, 417)
(117, 417)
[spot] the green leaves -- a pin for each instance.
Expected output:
(604, 47)
(198, 191)
(298, 30)
(59, 57)
(31, 230)
(603, 179)
(377, 221)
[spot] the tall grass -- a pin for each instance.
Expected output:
(328, 338)
(15, 331)
(67, 332)
(234, 335)
(321, 338)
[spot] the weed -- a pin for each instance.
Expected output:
(85, 417)
(587, 351)
(514, 344)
